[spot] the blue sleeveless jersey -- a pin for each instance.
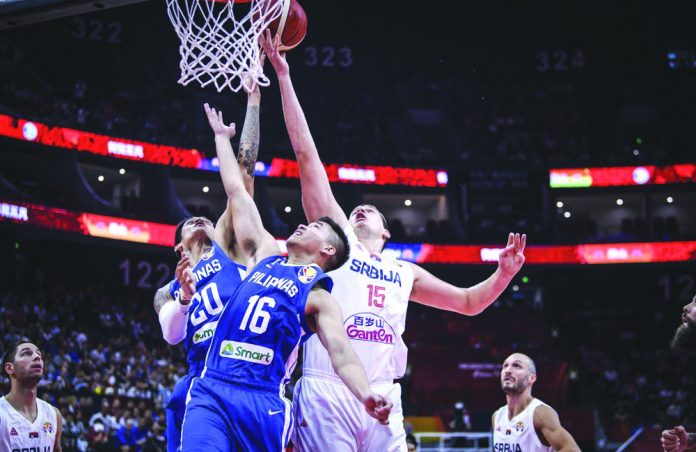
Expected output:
(217, 278)
(261, 328)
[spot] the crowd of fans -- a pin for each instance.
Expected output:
(632, 378)
(106, 367)
(361, 117)
(110, 373)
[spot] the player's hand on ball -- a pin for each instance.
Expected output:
(379, 407)
(675, 440)
(217, 124)
(185, 277)
(270, 48)
(249, 83)
(511, 258)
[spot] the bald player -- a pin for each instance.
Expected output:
(526, 424)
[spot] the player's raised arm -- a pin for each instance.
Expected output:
(317, 198)
(432, 291)
(328, 318)
(546, 422)
(248, 152)
(254, 241)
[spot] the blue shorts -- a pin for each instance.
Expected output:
(175, 412)
(225, 417)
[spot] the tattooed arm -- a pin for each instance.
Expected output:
(161, 297)
(249, 141)
(246, 159)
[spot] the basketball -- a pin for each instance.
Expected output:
(291, 25)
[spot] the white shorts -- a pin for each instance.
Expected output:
(329, 417)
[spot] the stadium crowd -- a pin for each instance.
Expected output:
(110, 373)
(106, 367)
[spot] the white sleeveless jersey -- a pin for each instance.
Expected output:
(17, 434)
(373, 292)
(517, 434)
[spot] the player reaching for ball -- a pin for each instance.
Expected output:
(238, 402)
(211, 257)
(373, 291)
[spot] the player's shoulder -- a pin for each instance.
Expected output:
(47, 405)
(544, 414)
(497, 412)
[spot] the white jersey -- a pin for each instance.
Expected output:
(517, 434)
(17, 434)
(373, 292)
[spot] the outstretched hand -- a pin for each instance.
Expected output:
(379, 407)
(217, 124)
(270, 47)
(185, 277)
(249, 82)
(511, 259)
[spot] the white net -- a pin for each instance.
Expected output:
(219, 47)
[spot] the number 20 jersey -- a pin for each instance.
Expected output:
(217, 278)
(262, 327)
(373, 292)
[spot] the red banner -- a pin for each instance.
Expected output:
(163, 234)
(122, 148)
(376, 175)
(88, 223)
(622, 176)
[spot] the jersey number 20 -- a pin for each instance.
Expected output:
(212, 305)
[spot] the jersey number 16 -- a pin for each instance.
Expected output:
(255, 317)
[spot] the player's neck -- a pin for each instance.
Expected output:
(296, 257)
(23, 399)
(199, 248)
(373, 245)
(517, 403)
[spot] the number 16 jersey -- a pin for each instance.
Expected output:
(373, 292)
(263, 325)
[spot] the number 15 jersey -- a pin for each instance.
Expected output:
(263, 325)
(373, 292)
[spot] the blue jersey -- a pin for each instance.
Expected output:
(261, 328)
(217, 278)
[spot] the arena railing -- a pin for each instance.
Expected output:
(440, 441)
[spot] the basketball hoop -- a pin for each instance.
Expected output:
(219, 43)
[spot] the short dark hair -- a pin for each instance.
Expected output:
(340, 242)
(177, 231)
(11, 351)
(385, 223)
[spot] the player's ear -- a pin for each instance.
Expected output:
(532, 378)
(386, 235)
(328, 250)
(9, 368)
